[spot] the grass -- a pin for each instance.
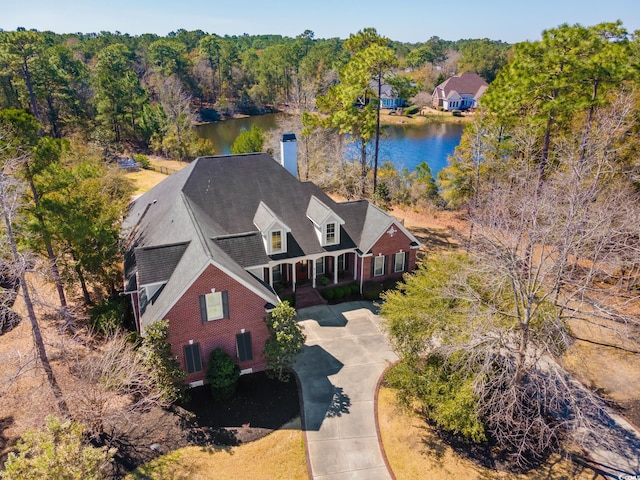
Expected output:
(147, 179)
(415, 451)
(279, 455)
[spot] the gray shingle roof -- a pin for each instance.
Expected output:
(156, 264)
(246, 249)
(205, 214)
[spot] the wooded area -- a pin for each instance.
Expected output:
(547, 175)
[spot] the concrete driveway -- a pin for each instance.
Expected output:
(339, 367)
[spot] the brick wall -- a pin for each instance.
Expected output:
(388, 244)
(246, 311)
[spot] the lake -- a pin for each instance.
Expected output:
(404, 146)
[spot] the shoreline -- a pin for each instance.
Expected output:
(427, 115)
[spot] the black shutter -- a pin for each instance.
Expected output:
(197, 361)
(192, 358)
(225, 304)
(203, 308)
(373, 266)
(385, 267)
(243, 346)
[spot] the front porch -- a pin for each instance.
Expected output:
(301, 278)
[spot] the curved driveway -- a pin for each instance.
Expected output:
(339, 367)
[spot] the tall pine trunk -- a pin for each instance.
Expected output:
(35, 326)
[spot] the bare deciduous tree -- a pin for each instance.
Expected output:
(544, 256)
(117, 387)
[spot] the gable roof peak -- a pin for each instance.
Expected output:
(318, 212)
(264, 218)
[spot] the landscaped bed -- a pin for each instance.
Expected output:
(260, 406)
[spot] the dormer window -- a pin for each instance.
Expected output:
(330, 234)
(274, 231)
(326, 222)
(276, 241)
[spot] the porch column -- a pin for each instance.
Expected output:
(335, 269)
(270, 276)
(355, 266)
(294, 267)
(313, 273)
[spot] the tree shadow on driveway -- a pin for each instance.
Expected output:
(320, 398)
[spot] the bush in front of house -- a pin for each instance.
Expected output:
(355, 288)
(328, 294)
(222, 374)
(289, 298)
(456, 113)
(338, 293)
(371, 290)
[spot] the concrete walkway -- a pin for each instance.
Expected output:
(339, 367)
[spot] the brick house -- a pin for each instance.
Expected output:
(208, 247)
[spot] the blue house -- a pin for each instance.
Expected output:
(388, 98)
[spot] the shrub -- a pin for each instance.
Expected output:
(222, 374)
(412, 110)
(162, 363)
(355, 288)
(371, 290)
(456, 113)
(142, 160)
(338, 292)
(324, 281)
(329, 293)
(58, 451)
(107, 316)
(289, 298)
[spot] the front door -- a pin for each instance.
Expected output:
(302, 273)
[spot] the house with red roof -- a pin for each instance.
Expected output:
(207, 248)
(460, 92)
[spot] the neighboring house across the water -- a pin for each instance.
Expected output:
(460, 92)
(209, 246)
(388, 98)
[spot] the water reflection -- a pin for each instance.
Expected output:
(405, 146)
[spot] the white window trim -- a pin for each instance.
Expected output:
(318, 271)
(336, 238)
(395, 262)
(217, 297)
(375, 266)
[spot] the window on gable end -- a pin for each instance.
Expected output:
(192, 359)
(399, 261)
(378, 265)
(214, 306)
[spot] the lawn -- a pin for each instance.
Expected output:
(279, 455)
(415, 451)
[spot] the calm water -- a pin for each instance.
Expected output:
(404, 146)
